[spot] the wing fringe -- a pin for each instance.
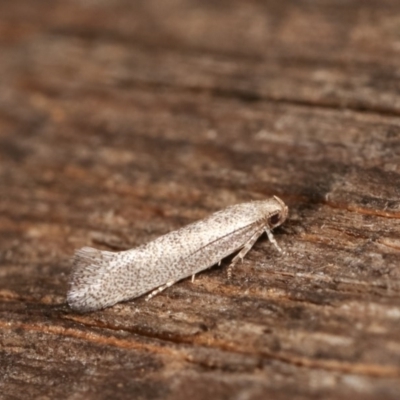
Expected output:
(89, 286)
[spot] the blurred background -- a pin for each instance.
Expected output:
(122, 120)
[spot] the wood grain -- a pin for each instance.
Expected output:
(123, 120)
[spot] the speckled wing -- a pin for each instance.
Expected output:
(103, 278)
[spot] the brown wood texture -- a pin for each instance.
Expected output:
(122, 120)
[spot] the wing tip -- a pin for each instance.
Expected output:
(87, 279)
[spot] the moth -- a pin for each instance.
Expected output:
(102, 278)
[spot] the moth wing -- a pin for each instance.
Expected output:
(91, 287)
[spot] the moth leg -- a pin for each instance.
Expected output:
(242, 253)
(272, 240)
(193, 276)
(159, 290)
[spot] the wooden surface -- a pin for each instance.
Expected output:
(123, 120)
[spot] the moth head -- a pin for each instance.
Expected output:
(278, 216)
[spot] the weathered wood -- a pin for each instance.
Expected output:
(122, 120)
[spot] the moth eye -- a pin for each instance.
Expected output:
(274, 219)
